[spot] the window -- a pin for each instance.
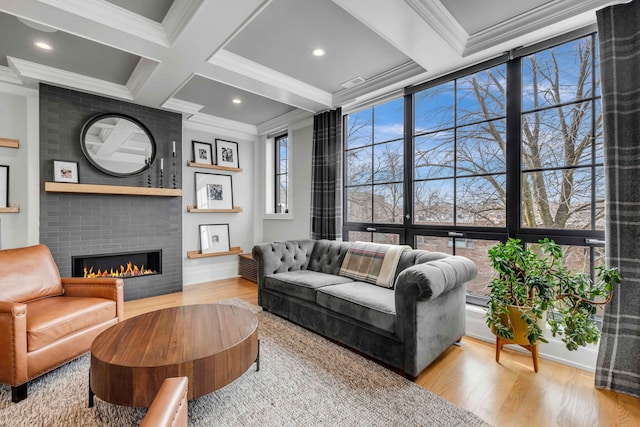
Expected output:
(510, 148)
(281, 145)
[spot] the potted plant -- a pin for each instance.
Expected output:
(530, 284)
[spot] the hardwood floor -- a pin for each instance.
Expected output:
(504, 394)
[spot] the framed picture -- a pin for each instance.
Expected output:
(4, 186)
(213, 191)
(214, 238)
(64, 171)
(227, 153)
(202, 152)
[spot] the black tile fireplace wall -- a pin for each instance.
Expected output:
(83, 224)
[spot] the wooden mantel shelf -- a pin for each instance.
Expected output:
(216, 167)
(198, 254)
(194, 209)
(63, 187)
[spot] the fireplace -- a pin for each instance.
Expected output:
(126, 265)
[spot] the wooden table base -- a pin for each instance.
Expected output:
(210, 344)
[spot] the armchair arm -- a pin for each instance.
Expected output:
(169, 407)
(99, 287)
(13, 341)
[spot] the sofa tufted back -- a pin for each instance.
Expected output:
(284, 256)
(327, 256)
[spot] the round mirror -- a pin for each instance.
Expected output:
(117, 144)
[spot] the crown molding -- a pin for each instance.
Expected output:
(113, 16)
(141, 75)
(186, 107)
(533, 20)
(9, 76)
(240, 65)
(438, 17)
(285, 121)
(178, 16)
(218, 124)
(68, 79)
(381, 81)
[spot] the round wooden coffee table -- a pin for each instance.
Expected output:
(211, 344)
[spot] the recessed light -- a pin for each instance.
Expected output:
(236, 101)
(318, 52)
(43, 45)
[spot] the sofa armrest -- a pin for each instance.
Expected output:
(431, 279)
(277, 257)
(13, 341)
(169, 407)
(99, 287)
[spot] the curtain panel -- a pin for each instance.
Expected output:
(618, 365)
(326, 184)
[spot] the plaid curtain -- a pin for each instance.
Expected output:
(618, 366)
(326, 184)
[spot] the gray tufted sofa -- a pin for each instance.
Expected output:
(406, 327)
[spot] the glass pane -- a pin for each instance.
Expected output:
(359, 236)
(481, 96)
(283, 189)
(388, 202)
(476, 250)
(599, 157)
(434, 108)
(557, 199)
(434, 155)
(359, 128)
(388, 162)
(481, 148)
(557, 75)
(599, 202)
(557, 137)
(433, 202)
(481, 201)
(386, 238)
(359, 204)
(388, 121)
(359, 166)
(433, 244)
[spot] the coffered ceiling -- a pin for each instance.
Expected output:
(197, 56)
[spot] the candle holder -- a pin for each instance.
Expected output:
(161, 177)
(147, 162)
(173, 169)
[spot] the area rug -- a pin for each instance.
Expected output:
(304, 380)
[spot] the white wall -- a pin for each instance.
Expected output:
(297, 225)
(240, 224)
(19, 119)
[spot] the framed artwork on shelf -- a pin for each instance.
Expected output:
(214, 238)
(65, 171)
(227, 153)
(213, 191)
(4, 186)
(202, 152)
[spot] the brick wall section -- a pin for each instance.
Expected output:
(89, 224)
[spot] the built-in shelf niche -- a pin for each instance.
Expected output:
(216, 167)
(63, 187)
(198, 254)
(193, 209)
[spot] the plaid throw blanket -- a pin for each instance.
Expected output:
(372, 262)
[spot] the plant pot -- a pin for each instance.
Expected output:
(518, 326)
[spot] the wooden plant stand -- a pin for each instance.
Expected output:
(532, 348)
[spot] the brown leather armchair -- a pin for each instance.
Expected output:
(169, 407)
(46, 320)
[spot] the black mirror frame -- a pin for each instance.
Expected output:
(98, 117)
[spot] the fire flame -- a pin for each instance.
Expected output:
(129, 271)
